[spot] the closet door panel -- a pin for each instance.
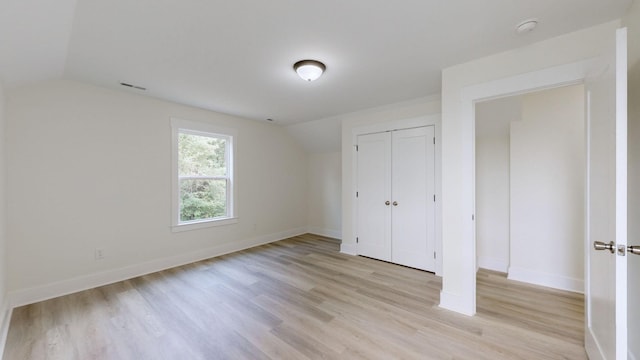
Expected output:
(374, 189)
(413, 189)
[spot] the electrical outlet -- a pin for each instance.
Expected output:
(99, 254)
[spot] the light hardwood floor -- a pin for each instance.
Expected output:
(296, 299)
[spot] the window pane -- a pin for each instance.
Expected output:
(202, 199)
(201, 155)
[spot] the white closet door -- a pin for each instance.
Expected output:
(413, 190)
(374, 190)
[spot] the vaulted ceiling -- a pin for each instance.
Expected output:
(236, 56)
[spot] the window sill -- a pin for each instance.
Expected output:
(203, 224)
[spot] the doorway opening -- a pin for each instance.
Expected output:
(530, 207)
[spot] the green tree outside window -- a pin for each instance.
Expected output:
(203, 176)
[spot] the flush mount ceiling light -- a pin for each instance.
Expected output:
(526, 26)
(309, 69)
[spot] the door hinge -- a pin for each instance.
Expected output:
(357, 240)
(434, 198)
(434, 254)
(356, 194)
(434, 141)
(356, 147)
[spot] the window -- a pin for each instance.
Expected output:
(203, 187)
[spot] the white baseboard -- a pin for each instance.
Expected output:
(591, 345)
(544, 279)
(494, 264)
(454, 302)
(60, 288)
(349, 249)
(4, 325)
(336, 234)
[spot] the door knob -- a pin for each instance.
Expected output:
(599, 245)
(395, 203)
(633, 249)
(387, 203)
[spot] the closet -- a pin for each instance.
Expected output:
(395, 196)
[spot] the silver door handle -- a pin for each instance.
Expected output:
(599, 245)
(395, 203)
(633, 250)
(387, 202)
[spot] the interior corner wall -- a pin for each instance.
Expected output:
(90, 167)
(547, 170)
(459, 263)
(632, 22)
(493, 120)
(4, 306)
(325, 195)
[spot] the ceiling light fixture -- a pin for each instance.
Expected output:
(309, 69)
(526, 26)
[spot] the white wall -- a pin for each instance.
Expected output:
(632, 22)
(4, 306)
(493, 121)
(318, 136)
(91, 168)
(321, 141)
(325, 212)
(386, 114)
(547, 171)
(458, 292)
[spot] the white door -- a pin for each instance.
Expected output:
(606, 268)
(374, 196)
(413, 191)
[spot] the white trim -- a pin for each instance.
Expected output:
(590, 340)
(621, 304)
(60, 288)
(457, 303)
(631, 355)
(494, 264)
(438, 188)
(400, 124)
(203, 224)
(592, 347)
(7, 311)
(552, 77)
(335, 234)
(352, 245)
(348, 248)
(549, 78)
(203, 129)
(545, 279)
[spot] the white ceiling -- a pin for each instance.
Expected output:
(236, 56)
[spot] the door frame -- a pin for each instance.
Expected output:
(563, 75)
(400, 124)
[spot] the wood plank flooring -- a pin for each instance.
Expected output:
(297, 299)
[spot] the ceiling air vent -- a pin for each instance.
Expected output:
(133, 86)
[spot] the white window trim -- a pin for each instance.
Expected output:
(198, 128)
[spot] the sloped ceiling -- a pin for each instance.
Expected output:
(34, 39)
(236, 56)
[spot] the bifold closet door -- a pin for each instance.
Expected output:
(413, 201)
(373, 193)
